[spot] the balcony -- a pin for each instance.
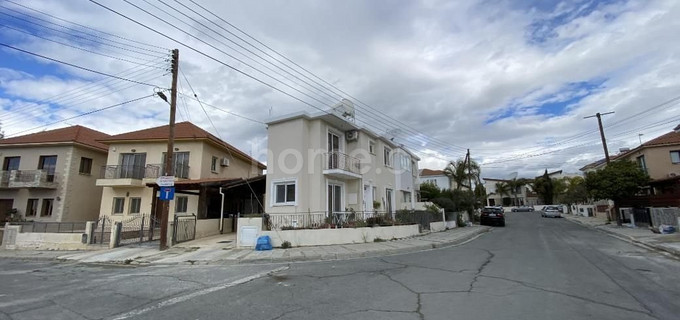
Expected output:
(121, 176)
(4, 179)
(341, 166)
(39, 179)
(135, 176)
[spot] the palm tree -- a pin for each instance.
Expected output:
(515, 185)
(503, 189)
(463, 173)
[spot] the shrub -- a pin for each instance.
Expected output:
(286, 245)
(379, 240)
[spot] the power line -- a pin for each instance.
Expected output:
(77, 92)
(72, 46)
(84, 114)
(89, 28)
(73, 65)
(79, 36)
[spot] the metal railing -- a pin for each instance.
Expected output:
(4, 178)
(156, 170)
(295, 220)
(122, 172)
(341, 161)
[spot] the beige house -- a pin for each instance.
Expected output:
(325, 164)
(50, 175)
(201, 161)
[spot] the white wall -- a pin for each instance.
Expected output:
(320, 237)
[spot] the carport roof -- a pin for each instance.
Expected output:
(210, 182)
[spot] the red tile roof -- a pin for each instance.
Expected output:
(77, 134)
(183, 131)
(430, 172)
(670, 138)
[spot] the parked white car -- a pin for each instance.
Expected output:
(551, 212)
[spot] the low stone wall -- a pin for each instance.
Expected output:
(13, 240)
(438, 226)
(320, 237)
(207, 227)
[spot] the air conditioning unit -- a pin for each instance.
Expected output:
(352, 135)
(225, 162)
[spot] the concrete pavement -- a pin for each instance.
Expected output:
(644, 237)
(220, 250)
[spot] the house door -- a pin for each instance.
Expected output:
(5, 208)
(333, 150)
(388, 200)
(368, 198)
(334, 199)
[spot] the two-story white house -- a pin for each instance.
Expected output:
(201, 162)
(324, 163)
(436, 178)
(50, 176)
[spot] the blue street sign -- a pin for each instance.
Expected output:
(167, 193)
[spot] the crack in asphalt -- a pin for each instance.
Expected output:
(287, 313)
(481, 269)
(418, 294)
(650, 312)
(535, 287)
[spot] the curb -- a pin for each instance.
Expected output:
(631, 240)
(301, 256)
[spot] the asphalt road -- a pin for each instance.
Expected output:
(534, 268)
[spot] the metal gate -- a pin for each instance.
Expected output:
(184, 229)
(102, 231)
(138, 229)
(642, 216)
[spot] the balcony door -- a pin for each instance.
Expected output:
(333, 150)
(132, 165)
(181, 162)
(48, 164)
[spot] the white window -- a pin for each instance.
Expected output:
(371, 147)
(405, 162)
(283, 192)
(135, 205)
(181, 204)
(118, 205)
(407, 196)
(675, 156)
(431, 181)
(213, 164)
(387, 155)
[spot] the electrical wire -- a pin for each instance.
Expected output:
(83, 114)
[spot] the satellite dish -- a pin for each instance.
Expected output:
(512, 175)
(345, 109)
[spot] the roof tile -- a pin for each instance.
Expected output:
(78, 134)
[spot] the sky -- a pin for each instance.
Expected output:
(510, 80)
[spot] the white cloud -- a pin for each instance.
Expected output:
(441, 67)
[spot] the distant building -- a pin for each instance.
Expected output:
(434, 177)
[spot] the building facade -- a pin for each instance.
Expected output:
(436, 178)
(325, 164)
(136, 159)
(50, 176)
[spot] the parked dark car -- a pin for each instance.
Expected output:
(492, 215)
(523, 209)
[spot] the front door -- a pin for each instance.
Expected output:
(6, 206)
(388, 200)
(334, 199)
(368, 198)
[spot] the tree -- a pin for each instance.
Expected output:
(543, 186)
(502, 189)
(462, 174)
(429, 191)
(617, 181)
(575, 191)
(515, 185)
(480, 195)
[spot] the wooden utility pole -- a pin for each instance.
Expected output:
(619, 222)
(604, 141)
(169, 167)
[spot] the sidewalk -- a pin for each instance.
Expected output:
(641, 236)
(220, 250)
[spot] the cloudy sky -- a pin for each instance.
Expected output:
(510, 80)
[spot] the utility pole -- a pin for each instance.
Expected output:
(604, 141)
(169, 167)
(467, 157)
(606, 155)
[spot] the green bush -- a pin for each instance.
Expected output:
(286, 245)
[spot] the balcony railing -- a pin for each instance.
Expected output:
(156, 170)
(4, 179)
(339, 161)
(150, 171)
(122, 172)
(31, 179)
